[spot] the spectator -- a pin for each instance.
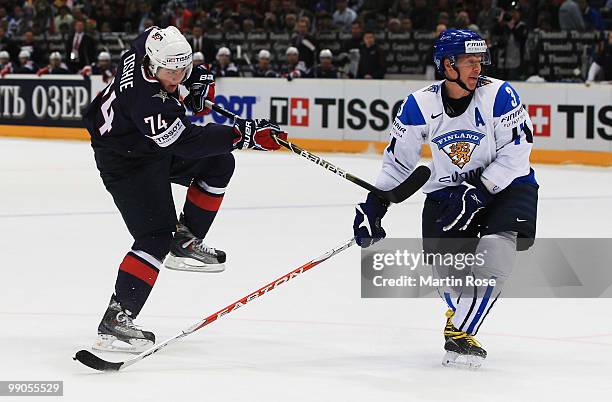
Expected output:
(103, 67)
(488, 16)
(198, 58)
(510, 36)
(443, 19)
(80, 47)
(18, 24)
(326, 68)
(371, 58)
(229, 25)
(181, 18)
(29, 44)
(144, 13)
(290, 21)
(421, 16)
(223, 67)
(4, 18)
(431, 72)
(356, 38)
(77, 14)
(601, 68)
(26, 66)
(395, 26)
(401, 8)
(406, 24)
(263, 69)
(5, 59)
(592, 18)
(106, 17)
(8, 45)
(294, 68)
(6, 66)
(462, 21)
(147, 23)
(248, 25)
(570, 17)
(343, 17)
(304, 42)
(325, 22)
(55, 66)
(201, 44)
(65, 17)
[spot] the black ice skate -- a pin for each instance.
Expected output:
(462, 349)
(117, 332)
(188, 253)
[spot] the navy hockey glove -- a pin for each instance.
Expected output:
(367, 226)
(459, 209)
(257, 134)
(201, 86)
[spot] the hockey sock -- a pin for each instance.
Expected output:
(137, 275)
(201, 206)
(499, 251)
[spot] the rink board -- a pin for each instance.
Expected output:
(572, 122)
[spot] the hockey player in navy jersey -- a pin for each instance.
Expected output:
(482, 194)
(142, 143)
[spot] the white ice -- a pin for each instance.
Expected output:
(313, 339)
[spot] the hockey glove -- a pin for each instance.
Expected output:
(367, 226)
(201, 86)
(459, 209)
(257, 134)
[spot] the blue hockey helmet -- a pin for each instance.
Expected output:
(455, 42)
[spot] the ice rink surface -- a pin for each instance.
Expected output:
(313, 339)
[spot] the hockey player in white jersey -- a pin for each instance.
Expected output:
(482, 194)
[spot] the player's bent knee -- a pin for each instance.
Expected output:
(156, 244)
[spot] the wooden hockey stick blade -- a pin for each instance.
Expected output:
(96, 363)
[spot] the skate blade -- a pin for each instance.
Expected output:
(191, 265)
(456, 360)
(110, 343)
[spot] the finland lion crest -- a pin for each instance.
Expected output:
(459, 145)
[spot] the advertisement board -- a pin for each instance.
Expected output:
(330, 115)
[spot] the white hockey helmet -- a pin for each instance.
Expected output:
(263, 54)
(198, 56)
(292, 50)
(4, 55)
(168, 48)
(24, 54)
(223, 51)
(325, 53)
(104, 56)
(55, 56)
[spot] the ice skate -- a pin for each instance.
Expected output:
(188, 253)
(117, 332)
(462, 349)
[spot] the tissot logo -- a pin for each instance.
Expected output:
(540, 117)
(290, 111)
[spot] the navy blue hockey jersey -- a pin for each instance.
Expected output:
(135, 116)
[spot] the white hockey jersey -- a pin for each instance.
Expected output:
(492, 138)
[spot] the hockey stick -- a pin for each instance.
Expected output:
(396, 195)
(411, 186)
(93, 361)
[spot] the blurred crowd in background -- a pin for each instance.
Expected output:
(323, 39)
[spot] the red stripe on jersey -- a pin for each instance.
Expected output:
(139, 269)
(204, 200)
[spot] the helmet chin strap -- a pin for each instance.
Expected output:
(458, 80)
